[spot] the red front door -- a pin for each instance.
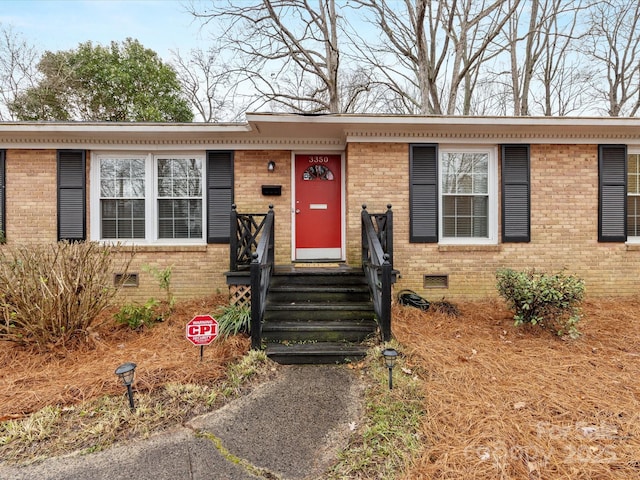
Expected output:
(318, 207)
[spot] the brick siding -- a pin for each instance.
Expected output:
(31, 196)
(564, 223)
(564, 206)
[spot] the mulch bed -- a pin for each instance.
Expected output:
(501, 402)
(30, 380)
(519, 403)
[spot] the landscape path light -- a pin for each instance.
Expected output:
(126, 372)
(390, 356)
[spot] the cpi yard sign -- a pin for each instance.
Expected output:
(202, 330)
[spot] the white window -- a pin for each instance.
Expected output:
(633, 196)
(122, 198)
(468, 199)
(145, 198)
(179, 197)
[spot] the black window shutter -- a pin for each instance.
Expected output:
(3, 225)
(423, 193)
(516, 193)
(219, 195)
(71, 195)
(612, 199)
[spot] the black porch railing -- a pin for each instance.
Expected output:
(246, 231)
(377, 262)
(253, 248)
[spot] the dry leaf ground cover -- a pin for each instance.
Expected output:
(30, 381)
(500, 402)
(518, 403)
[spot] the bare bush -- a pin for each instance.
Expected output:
(51, 294)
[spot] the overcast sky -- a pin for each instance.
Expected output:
(161, 25)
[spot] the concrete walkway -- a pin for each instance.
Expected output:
(289, 428)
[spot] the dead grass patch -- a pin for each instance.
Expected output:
(505, 403)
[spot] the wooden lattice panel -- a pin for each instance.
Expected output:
(240, 295)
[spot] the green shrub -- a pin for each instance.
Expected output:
(135, 316)
(234, 319)
(552, 301)
(164, 281)
(51, 294)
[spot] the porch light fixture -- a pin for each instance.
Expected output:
(126, 372)
(390, 355)
(271, 166)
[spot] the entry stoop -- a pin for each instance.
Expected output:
(318, 315)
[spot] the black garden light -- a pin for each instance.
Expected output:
(390, 356)
(126, 372)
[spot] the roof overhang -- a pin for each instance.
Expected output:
(319, 132)
(442, 129)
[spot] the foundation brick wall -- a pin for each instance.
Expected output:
(196, 271)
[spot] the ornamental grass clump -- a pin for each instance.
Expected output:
(50, 295)
(234, 319)
(549, 300)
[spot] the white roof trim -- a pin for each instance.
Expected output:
(291, 131)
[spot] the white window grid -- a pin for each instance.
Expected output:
(151, 196)
(479, 185)
(633, 196)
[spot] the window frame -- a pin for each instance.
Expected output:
(631, 150)
(151, 197)
(492, 195)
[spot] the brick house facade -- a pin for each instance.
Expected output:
(469, 195)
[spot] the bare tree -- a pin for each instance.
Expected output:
(417, 56)
(208, 84)
(490, 98)
(406, 57)
(522, 69)
(562, 78)
(289, 52)
(613, 46)
(540, 40)
(432, 53)
(18, 60)
(476, 27)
